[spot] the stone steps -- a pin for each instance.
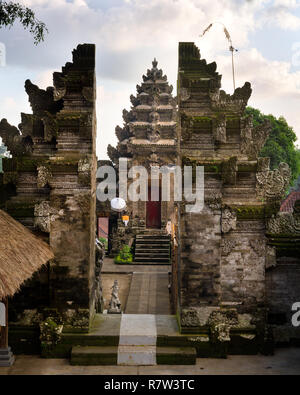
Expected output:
(142, 355)
(138, 345)
(152, 249)
(6, 357)
(91, 355)
(109, 337)
(163, 254)
(157, 259)
(148, 240)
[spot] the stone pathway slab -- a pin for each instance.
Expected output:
(137, 344)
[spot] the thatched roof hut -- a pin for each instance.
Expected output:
(21, 254)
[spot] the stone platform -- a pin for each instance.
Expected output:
(6, 357)
(131, 340)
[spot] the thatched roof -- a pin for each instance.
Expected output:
(21, 254)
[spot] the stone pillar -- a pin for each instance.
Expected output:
(73, 183)
(53, 169)
(223, 247)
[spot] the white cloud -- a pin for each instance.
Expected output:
(44, 79)
(276, 90)
(130, 33)
(287, 3)
(11, 109)
(280, 13)
(110, 103)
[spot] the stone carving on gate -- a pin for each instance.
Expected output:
(128, 116)
(59, 86)
(228, 246)
(154, 74)
(123, 133)
(153, 135)
(184, 94)
(187, 124)
(154, 116)
(50, 127)
(221, 101)
(229, 170)
(220, 323)
(44, 214)
(272, 184)
(135, 101)
(44, 176)
(219, 129)
(258, 246)
(228, 221)
(253, 138)
(284, 223)
(213, 200)
(189, 318)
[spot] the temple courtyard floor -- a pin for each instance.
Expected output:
(144, 293)
(286, 361)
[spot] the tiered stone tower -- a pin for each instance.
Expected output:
(148, 138)
(52, 174)
(223, 248)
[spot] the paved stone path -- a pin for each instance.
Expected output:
(148, 294)
(137, 343)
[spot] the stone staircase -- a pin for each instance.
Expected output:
(130, 339)
(153, 249)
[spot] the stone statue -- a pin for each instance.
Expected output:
(115, 304)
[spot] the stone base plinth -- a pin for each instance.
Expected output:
(6, 357)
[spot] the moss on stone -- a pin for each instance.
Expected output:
(247, 167)
(250, 212)
(29, 164)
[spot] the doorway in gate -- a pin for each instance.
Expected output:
(153, 211)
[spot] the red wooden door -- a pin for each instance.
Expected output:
(153, 212)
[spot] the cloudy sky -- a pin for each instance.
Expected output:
(130, 33)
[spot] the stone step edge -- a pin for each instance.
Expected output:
(150, 263)
(108, 355)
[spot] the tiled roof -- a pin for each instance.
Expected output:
(288, 204)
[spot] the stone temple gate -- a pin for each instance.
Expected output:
(224, 259)
(50, 185)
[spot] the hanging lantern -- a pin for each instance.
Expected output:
(118, 204)
(125, 219)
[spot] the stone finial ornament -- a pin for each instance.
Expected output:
(11, 138)
(253, 138)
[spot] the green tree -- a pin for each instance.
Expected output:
(11, 11)
(280, 145)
